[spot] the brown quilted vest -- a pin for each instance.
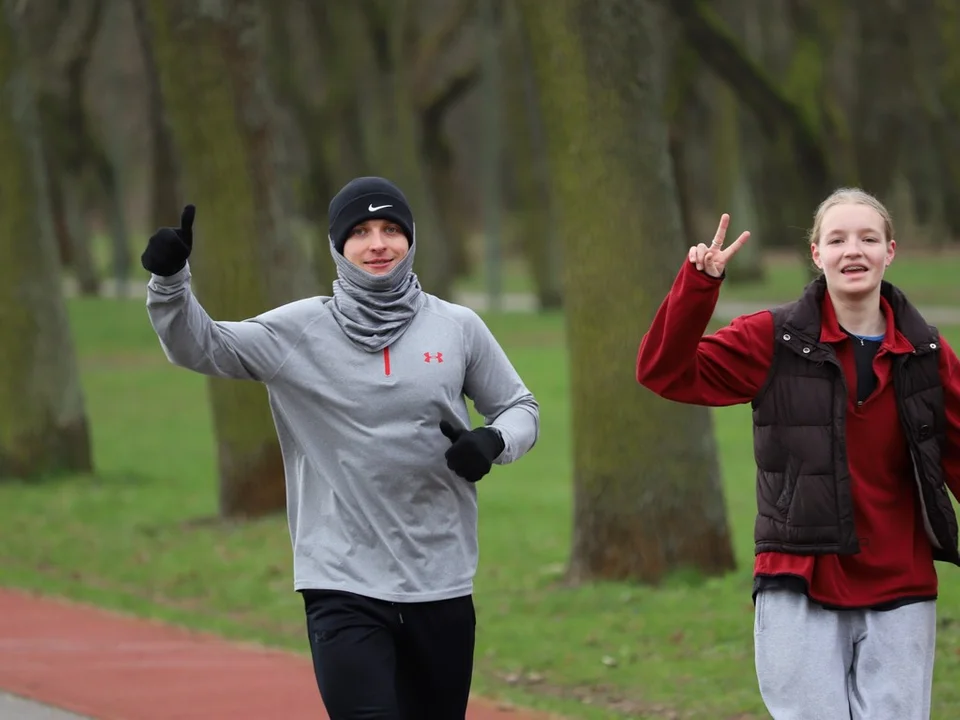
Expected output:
(804, 503)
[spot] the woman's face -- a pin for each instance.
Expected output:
(376, 246)
(853, 250)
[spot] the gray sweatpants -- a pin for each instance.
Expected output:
(817, 664)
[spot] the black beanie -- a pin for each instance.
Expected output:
(367, 198)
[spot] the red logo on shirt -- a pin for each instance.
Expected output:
(430, 357)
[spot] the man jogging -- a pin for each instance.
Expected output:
(367, 390)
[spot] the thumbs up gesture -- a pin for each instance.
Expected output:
(168, 248)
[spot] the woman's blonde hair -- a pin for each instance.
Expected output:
(850, 196)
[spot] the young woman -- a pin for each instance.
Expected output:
(367, 390)
(856, 431)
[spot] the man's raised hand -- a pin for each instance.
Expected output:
(168, 248)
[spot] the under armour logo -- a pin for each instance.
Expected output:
(428, 357)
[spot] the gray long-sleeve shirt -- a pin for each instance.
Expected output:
(372, 507)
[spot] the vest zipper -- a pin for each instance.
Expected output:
(833, 360)
(916, 462)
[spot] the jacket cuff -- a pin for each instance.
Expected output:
(490, 441)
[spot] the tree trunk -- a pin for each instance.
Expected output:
(799, 168)
(648, 497)
(733, 193)
(376, 65)
(491, 165)
(113, 169)
(688, 139)
(948, 19)
(66, 36)
(113, 178)
(397, 121)
(526, 148)
(165, 175)
(322, 119)
(84, 266)
(43, 423)
(933, 28)
(451, 203)
(443, 76)
(214, 87)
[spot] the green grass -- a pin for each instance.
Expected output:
(928, 278)
(514, 277)
(137, 537)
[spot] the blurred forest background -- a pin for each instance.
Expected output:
(770, 104)
(559, 157)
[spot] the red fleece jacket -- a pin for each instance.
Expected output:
(678, 362)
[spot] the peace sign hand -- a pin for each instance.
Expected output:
(713, 258)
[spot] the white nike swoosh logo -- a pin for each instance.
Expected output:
(371, 208)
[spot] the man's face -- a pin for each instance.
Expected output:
(376, 246)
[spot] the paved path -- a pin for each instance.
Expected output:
(106, 666)
(13, 707)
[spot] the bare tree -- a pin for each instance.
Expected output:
(165, 176)
(386, 94)
(74, 158)
(840, 93)
(43, 423)
(528, 165)
(804, 171)
(647, 493)
(222, 114)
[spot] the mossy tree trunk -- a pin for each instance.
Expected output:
(212, 78)
(687, 132)
(947, 18)
(441, 74)
(526, 147)
(647, 493)
(303, 46)
(62, 39)
(164, 173)
(933, 29)
(734, 156)
(43, 422)
(733, 192)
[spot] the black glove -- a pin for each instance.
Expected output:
(473, 451)
(168, 248)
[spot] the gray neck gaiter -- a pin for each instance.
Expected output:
(375, 310)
